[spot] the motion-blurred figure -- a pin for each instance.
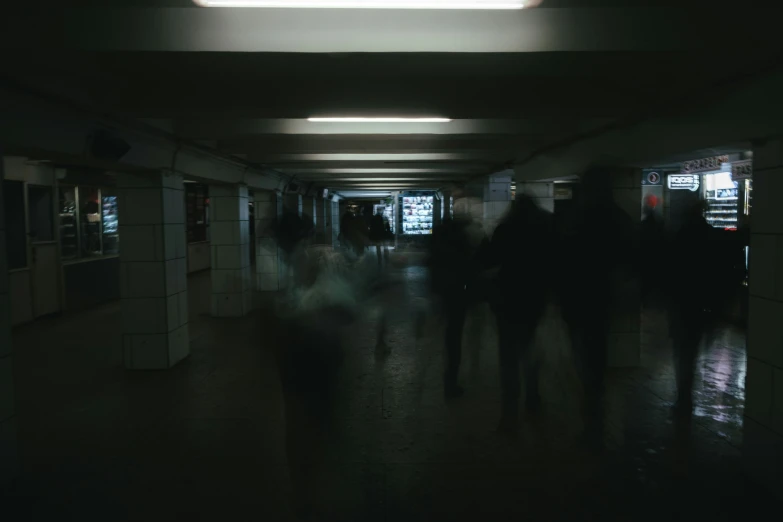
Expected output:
(454, 270)
(693, 298)
(597, 254)
(378, 237)
(311, 318)
(654, 248)
(354, 232)
(292, 233)
(521, 249)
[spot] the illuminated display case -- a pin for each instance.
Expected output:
(88, 222)
(721, 196)
(111, 236)
(416, 214)
(748, 196)
(69, 242)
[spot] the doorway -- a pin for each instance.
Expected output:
(43, 250)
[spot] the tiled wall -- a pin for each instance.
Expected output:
(232, 288)
(266, 215)
(763, 432)
(9, 464)
(153, 271)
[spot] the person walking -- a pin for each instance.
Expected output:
(520, 248)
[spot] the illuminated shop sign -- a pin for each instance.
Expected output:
(684, 182)
(704, 164)
(742, 170)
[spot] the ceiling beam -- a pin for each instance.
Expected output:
(348, 30)
(259, 147)
(226, 128)
(347, 158)
(370, 171)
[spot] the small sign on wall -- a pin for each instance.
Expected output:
(651, 178)
(684, 182)
(563, 192)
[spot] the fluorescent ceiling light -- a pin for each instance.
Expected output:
(379, 120)
(359, 180)
(370, 4)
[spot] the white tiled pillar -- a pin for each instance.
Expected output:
(266, 217)
(625, 333)
(9, 456)
(322, 221)
(232, 288)
(153, 268)
(763, 433)
(497, 199)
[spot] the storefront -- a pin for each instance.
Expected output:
(62, 237)
(88, 232)
(724, 185)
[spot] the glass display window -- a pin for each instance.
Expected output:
(69, 225)
(89, 222)
(721, 195)
(110, 232)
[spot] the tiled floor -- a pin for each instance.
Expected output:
(205, 440)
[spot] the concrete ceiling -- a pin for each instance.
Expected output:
(515, 83)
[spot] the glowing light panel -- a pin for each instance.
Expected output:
(379, 120)
(370, 4)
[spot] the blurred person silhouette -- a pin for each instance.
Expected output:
(308, 353)
(653, 253)
(596, 254)
(345, 226)
(521, 249)
(454, 269)
(695, 267)
(377, 233)
(292, 231)
(354, 231)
